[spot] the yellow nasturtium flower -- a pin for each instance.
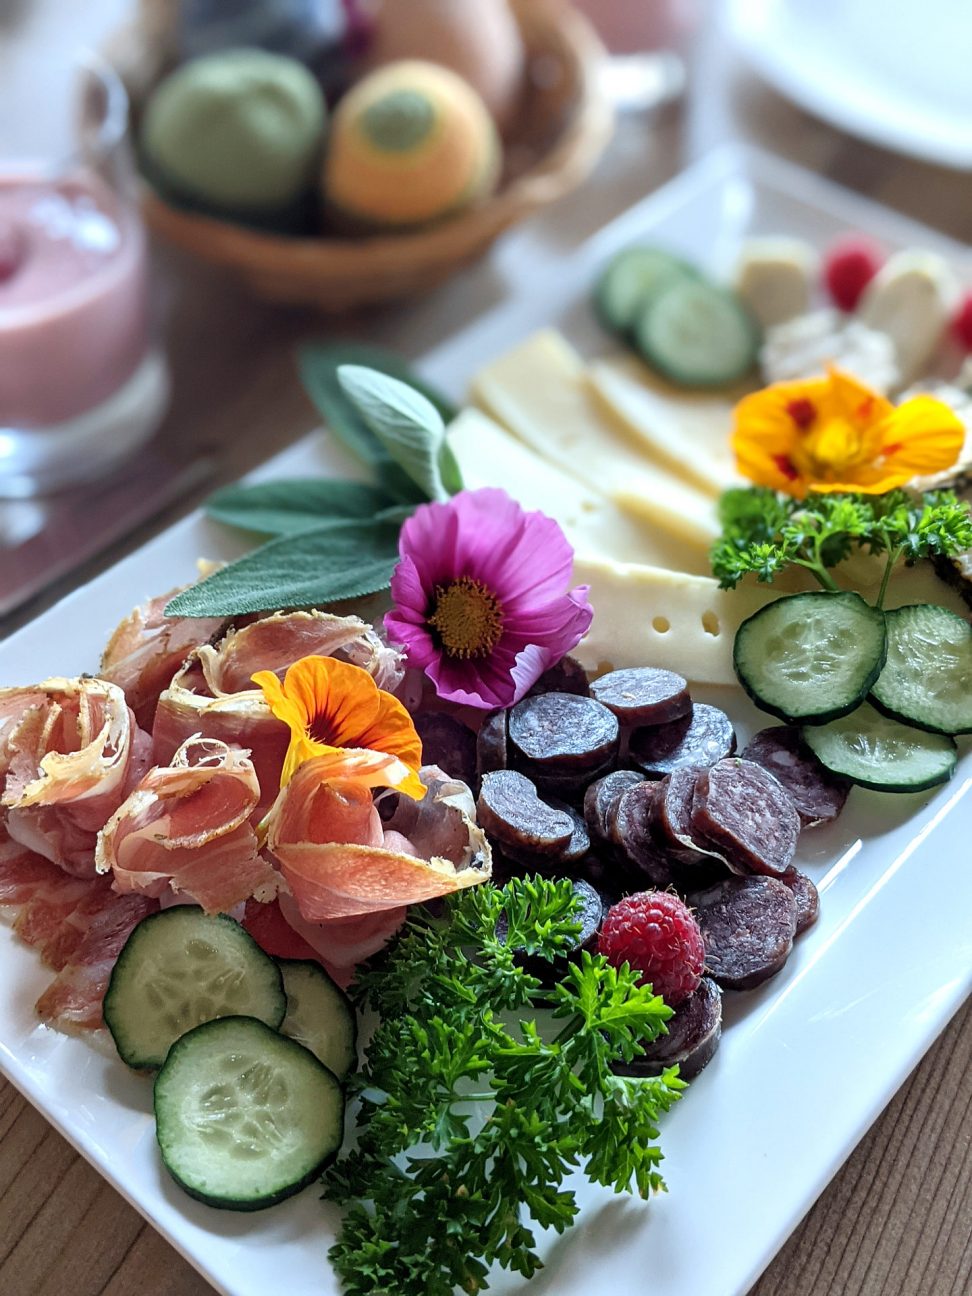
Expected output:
(330, 705)
(835, 434)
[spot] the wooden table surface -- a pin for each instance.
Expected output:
(897, 1219)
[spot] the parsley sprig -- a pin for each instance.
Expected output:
(472, 1114)
(764, 533)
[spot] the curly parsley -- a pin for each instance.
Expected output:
(472, 1115)
(764, 533)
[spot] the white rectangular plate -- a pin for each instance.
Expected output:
(807, 1061)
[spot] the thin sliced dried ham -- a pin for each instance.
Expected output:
(332, 876)
(278, 929)
(213, 695)
(77, 925)
(187, 826)
(69, 753)
(147, 649)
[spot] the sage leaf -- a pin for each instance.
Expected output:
(342, 560)
(318, 364)
(294, 504)
(404, 421)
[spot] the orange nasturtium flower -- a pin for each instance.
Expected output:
(330, 705)
(835, 434)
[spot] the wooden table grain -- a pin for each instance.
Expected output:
(897, 1219)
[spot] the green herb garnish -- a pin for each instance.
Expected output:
(764, 533)
(473, 1115)
(331, 539)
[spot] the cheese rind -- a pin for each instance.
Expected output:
(540, 391)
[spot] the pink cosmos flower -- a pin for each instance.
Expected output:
(481, 598)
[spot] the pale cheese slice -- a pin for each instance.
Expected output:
(488, 455)
(686, 433)
(540, 391)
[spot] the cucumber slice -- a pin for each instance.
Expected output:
(927, 678)
(811, 656)
(245, 1117)
(876, 752)
(696, 334)
(181, 967)
(630, 279)
(319, 1015)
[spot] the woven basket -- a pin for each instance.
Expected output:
(565, 123)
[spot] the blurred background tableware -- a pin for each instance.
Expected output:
(646, 41)
(82, 380)
(532, 65)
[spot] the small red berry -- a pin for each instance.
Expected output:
(656, 933)
(962, 323)
(849, 266)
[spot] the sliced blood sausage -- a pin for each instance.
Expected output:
(563, 732)
(672, 817)
(805, 896)
(747, 815)
(747, 925)
(565, 860)
(818, 794)
(510, 810)
(601, 802)
(694, 1031)
(491, 743)
(700, 738)
(568, 785)
(633, 835)
(643, 695)
(448, 743)
(568, 676)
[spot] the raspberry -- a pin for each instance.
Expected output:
(656, 933)
(849, 266)
(962, 322)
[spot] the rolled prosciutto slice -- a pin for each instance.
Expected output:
(340, 863)
(213, 694)
(147, 649)
(70, 752)
(187, 826)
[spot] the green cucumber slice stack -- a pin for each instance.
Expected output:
(876, 752)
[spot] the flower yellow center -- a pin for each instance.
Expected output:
(468, 618)
(834, 447)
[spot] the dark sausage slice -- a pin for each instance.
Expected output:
(701, 738)
(643, 695)
(747, 925)
(510, 810)
(601, 802)
(672, 818)
(564, 732)
(805, 896)
(818, 795)
(568, 676)
(693, 1036)
(568, 785)
(747, 815)
(448, 743)
(566, 860)
(491, 743)
(633, 835)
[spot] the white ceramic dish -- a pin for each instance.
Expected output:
(808, 1061)
(891, 71)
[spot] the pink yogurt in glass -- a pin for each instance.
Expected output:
(73, 297)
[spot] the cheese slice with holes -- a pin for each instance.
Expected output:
(488, 455)
(685, 433)
(540, 391)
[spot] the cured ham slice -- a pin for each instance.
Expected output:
(337, 946)
(186, 826)
(332, 876)
(77, 925)
(213, 694)
(69, 753)
(147, 649)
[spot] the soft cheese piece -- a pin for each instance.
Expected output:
(911, 299)
(805, 346)
(540, 391)
(488, 455)
(685, 432)
(774, 277)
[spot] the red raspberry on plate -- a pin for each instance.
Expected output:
(656, 933)
(962, 323)
(849, 266)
